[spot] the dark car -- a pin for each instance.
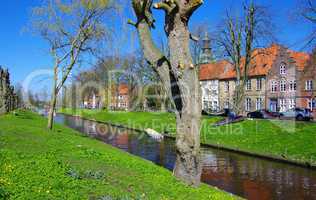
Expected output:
(263, 114)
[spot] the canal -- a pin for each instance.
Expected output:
(246, 176)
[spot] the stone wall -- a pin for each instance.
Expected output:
(8, 98)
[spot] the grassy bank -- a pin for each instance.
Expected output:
(62, 164)
(285, 139)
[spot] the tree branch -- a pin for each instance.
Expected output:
(191, 6)
(163, 6)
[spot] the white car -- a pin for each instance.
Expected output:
(298, 114)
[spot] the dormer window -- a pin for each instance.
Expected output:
(282, 69)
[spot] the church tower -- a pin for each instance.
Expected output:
(206, 53)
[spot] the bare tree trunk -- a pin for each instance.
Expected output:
(239, 98)
(53, 101)
(179, 77)
(163, 104)
(51, 112)
(188, 165)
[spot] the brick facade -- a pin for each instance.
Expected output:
(283, 73)
(277, 80)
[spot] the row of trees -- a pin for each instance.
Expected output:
(105, 77)
(8, 98)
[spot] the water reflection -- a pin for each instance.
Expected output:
(246, 176)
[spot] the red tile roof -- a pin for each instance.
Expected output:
(261, 64)
(123, 89)
(214, 70)
(300, 58)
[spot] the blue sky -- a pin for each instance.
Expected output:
(22, 52)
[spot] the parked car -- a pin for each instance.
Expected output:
(299, 114)
(225, 112)
(263, 114)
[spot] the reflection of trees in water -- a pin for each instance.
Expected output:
(258, 179)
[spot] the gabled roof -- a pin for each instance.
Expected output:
(261, 64)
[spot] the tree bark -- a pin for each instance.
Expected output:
(179, 77)
(188, 165)
(239, 98)
(51, 112)
(53, 101)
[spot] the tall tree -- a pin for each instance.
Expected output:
(178, 75)
(238, 38)
(71, 29)
(307, 11)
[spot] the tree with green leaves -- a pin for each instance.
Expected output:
(178, 75)
(72, 29)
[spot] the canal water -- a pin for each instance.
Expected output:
(246, 176)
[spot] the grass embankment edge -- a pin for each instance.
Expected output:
(277, 158)
(40, 164)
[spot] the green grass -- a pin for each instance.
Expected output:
(62, 164)
(290, 140)
(159, 121)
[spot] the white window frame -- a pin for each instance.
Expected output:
(259, 83)
(283, 105)
(292, 85)
(291, 103)
(248, 84)
(283, 69)
(311, 104)
(248, 104)
(259, 103)
(282, 85)
(309, 85)
(274, 86)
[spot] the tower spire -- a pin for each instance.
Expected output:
(206, 53)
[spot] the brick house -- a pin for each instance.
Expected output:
(307, 85)
(285, 81)
(218, 87)
(119, 97)
(268, 86)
